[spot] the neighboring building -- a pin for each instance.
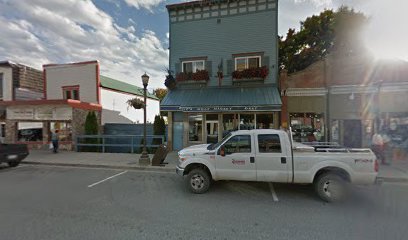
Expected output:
(69, 92)
(346, 99)
(224, 56)
(114, 95)
(17, 82)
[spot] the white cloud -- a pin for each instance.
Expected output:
(148, 4)
(37, 32)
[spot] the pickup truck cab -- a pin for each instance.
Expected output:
(268, 155)
(13, 154)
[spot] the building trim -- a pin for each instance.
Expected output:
(298, 92)
(98, 84)
(191, 59)
(70, 102)
(70, 64)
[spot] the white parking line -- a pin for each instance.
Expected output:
(274, 196)
(93, 184)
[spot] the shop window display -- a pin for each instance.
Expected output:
(307, 127)
(247, 121)
(195, 133)
(264, 121)
(29, 131)
(64, 130)
(229, 123)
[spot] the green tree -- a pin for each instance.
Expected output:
(160, 94)
(91, 128)
(319, 35)
(159, 128)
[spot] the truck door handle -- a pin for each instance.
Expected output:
(252, 159)
(283, 160)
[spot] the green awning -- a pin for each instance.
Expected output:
(117, 85)
(265, 98)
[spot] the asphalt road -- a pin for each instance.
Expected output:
(41, 202)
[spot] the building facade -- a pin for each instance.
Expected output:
(17, 82)
(68, 93)
(224, 58)
(346, 99)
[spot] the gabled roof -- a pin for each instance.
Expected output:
(116, 85)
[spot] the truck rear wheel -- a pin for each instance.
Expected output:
(330, 187)
(198, 181)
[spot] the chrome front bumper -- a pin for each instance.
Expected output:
(180, 171)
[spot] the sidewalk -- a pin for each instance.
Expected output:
(98, 160)
(396, 172)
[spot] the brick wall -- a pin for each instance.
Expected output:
(78, 121)
(27, 77)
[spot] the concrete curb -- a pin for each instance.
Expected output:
(139, 168)
(392, 179)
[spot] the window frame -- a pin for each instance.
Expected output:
(192, 65)
(247, 61)
(71, 90)
(269, 152)
(238, 135)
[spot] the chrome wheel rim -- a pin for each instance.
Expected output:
(197, 181)
(326, 188)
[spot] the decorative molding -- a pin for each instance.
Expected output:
(300, 92)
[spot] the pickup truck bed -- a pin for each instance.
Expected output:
(13, 154)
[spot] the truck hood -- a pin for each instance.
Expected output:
(194, 150)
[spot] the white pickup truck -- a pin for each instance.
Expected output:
(269, 156)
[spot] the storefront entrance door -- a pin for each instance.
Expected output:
(212, 131)
(352, 133)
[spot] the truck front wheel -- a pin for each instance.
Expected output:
(198, 181)
(13, 163)
(330, 187)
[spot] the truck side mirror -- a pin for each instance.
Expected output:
(222, 151)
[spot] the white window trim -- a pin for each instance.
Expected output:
(246, 61)
(195, 61)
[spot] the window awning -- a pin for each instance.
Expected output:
(264, 98)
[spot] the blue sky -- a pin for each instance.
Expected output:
(130, 37)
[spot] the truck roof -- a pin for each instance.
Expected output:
(258, 131)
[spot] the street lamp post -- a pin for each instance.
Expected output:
(144, 158)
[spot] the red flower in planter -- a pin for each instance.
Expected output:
(197, 76)
(260, 72)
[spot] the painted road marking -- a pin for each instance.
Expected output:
(274, 196)
(106, 179)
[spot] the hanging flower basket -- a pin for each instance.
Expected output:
(260, 72)
(136, 103)
(170, 82)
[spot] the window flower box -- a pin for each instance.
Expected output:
(251, 73)
(199, 76)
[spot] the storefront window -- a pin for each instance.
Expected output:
(264, 121)
(247, 121)
(307, 127)
(229, 123)
(29, 131)
(64, 130)
(212, 128)
(195, 133)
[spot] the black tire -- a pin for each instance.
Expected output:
(13, 164)
(198, 181)
(331, 187)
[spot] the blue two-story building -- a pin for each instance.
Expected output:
(224, 56)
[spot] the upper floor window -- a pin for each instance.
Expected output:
(242, 63)
(192, 66)
(71, 92)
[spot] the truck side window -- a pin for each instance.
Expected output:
(269, 143)
(238, 144)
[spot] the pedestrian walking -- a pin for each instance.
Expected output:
(54, 140)
(377, 145)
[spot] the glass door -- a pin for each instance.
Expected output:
(212, 131)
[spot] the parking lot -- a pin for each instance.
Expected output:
(45, 202)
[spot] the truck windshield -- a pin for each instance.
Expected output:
(214, 146)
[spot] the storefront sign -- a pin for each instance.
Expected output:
(20, 113)
(39, 113)
(221, 108)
